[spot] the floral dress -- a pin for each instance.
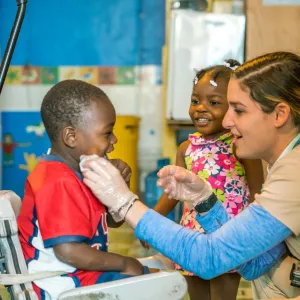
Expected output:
(214, 161)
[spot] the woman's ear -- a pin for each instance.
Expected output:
(282, 113)
(69, 136)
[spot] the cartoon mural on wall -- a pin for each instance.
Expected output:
(23, 143)
(8, 147)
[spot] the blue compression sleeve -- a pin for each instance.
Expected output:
(254, 268)
(209, 255)
(214, 219)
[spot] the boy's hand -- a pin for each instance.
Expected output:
(124, 169)
(132, 267)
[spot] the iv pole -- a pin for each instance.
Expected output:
(14, 34)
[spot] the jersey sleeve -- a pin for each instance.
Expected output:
(63, 212)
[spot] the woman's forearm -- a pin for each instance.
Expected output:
(254, 268)
(243, 238)
(135, 213)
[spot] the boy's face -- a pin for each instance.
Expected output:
(96, 136)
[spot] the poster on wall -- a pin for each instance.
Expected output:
(281, 2)
(24, 140)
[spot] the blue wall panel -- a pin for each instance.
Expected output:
(91, 32)
(69, 33)
(22, 146)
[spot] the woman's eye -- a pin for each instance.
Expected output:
(238, 111)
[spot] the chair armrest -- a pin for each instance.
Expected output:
(157, 262)
(162, 285)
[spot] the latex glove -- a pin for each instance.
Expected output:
(121, 165)
(181, 184)
(108, 185)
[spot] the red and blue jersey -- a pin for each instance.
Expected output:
(58, 208)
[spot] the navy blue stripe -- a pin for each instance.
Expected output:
(43, 294)
(64, 239)
(74, 278)
(34, 234)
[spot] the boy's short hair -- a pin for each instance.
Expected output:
(65, 103)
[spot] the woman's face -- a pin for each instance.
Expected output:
(253, 130)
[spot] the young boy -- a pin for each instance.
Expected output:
(63, 227)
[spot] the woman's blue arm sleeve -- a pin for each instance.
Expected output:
(254, 268)
(248, 235)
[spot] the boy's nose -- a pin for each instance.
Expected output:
(114, 139)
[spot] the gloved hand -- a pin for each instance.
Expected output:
(108, 185)
(181, 184)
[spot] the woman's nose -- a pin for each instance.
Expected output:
(228, 120)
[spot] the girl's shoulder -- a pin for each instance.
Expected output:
(183, 146)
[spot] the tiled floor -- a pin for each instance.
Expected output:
(122, 241)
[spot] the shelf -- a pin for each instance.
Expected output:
(180, 125)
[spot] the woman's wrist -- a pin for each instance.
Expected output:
(135, 213)
(205, 204)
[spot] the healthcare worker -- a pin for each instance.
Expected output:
(264, 117)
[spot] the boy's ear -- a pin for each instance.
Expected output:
(69, 136)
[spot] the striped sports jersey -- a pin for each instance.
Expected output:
(58, 208)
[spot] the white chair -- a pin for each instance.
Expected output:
(14, 274)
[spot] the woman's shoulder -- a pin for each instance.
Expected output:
(280, 195)
(289, 164)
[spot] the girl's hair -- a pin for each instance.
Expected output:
(273, 78)
(219, 71)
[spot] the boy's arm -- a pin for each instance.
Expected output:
(83, 257)
(164, 205)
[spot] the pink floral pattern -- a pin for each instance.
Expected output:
(214, 161)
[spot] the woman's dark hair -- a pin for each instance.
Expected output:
(273, 78)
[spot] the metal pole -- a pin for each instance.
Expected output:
(14, 34)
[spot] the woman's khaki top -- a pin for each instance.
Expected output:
(280, 196)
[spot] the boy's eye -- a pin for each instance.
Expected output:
(194, 102)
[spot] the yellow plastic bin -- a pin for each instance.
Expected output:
(127, 132)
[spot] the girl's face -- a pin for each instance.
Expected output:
(209, 106)
(254, 131)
